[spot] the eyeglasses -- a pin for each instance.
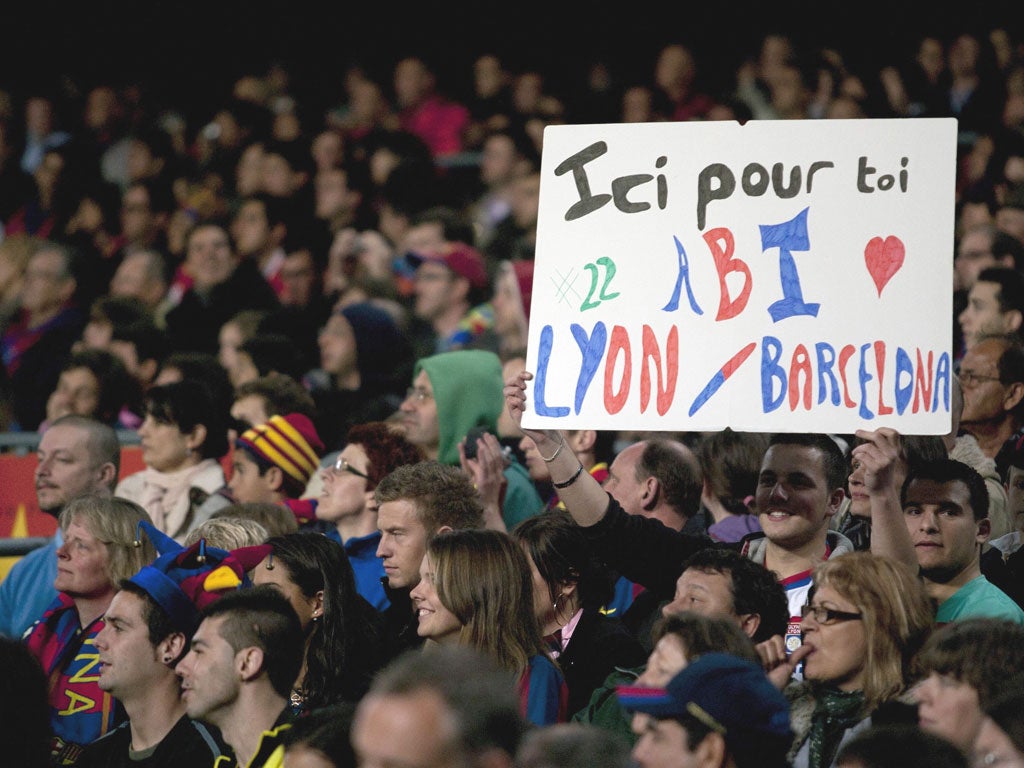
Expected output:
(343, 466)
(418, 394)
(972, 379)
(826, 616)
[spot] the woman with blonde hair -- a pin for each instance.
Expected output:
(476, 590)
(866, 618)
(100, 550)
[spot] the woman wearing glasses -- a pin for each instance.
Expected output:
(866, 618)
(345, 505)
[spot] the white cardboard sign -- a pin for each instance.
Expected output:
(786, 276)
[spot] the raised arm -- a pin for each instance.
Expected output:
(880, 455)
(583, 496)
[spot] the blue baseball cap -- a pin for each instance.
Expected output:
(727, 694)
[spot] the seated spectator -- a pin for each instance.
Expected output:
(570, 589)
(271, 395)
(676, 640)
(730, 462)
(321, 739)
(36, 342)
(184, 436)
(201, 366)
(273, 518)
(233, 334)
(865, 619)
(345, 505)
(95, 383)
(945, 507)
(99, 550)
(367, 362)
(342, 646)
(273, 461)
(967, 666)
(228, 533)
(475, 589)
(719, 705)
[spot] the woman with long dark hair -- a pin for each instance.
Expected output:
(341, 628)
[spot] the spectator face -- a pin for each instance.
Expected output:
(127, 659)
(985, 397)
(229, 341)
(332, 193)
(949, 708)
(507, 302)
(209, 258)
(662, 744)
(436, 622)
(208, 679)
(1011, 221)
(77, 392)
(345, 492)
(337, 346)
(413, 729)
(982, 314)
(403, 542)
(534, 463)
(942, 527)
(838, 647)
(277, 176)
(419, 414)
(279, 577)
(793, 499)
(666, 661)
(132, 279)
(622, 482)
(434, 286)
(1015, 491)
(166, 448)
(82, 562)
(249, 171)
(251, 229)
(973, 255)
(136, 215)
(298, 274)
(498, 160)
(708, 593)
(247, 484)
(65, 470)
(46, 286)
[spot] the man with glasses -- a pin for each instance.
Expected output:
(992, 379)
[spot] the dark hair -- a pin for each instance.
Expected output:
(325, 730)
(205, 367)
(951, 471)
(149, 340)
(282, 394)
(702, 634)
(274, 352)
(117, 388)
(1011, 286)
(187, 404)
(262, 617)
(159, 625)
(455, 227)
(905, 745)
(985, 653)
(834, 463)
(442, 495)
(386, 449)
(731, 462)
(755, 589)
(560, 551)
(342, 652)
(678, 473)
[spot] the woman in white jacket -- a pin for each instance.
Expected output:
(184, 435)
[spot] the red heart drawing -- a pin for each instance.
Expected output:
(884, 259)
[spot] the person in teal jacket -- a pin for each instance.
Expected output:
(452, 393)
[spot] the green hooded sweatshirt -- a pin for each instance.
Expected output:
(467, 388)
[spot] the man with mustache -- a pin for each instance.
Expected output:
(77, 456)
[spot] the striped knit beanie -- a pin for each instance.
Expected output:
(288, 442)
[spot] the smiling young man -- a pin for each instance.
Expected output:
(945, 508)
